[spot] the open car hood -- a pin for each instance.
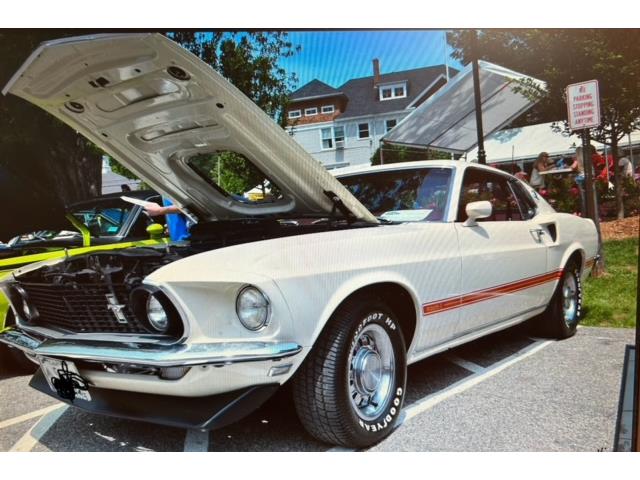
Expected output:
(151, 105)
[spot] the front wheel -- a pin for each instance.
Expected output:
(351, 388)
(560, 319)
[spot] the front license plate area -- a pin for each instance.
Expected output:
(64, 378)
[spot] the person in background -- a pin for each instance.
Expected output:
(125, 188)
(578, 167)
(176, 220)
(625, 166)
(540, 165)
(520, 174)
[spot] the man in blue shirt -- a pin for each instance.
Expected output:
(176, 220)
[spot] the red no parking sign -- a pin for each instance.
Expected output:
(583, 105)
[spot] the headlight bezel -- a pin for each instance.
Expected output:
(264, 323)
(140, 298)
(24, 309)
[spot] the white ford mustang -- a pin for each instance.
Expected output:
(333, 285)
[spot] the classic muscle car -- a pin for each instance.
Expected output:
(101, 223)
(333, 285)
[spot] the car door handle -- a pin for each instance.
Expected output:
(537, 234)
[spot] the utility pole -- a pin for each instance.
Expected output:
(482, 156)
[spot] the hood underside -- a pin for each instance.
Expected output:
(152, 105)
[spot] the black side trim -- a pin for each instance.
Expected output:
(215, 411)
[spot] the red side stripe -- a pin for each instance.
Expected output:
(489, 293)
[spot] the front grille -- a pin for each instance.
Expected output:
(81, 308)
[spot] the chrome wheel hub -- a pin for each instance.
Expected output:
(371, 372)
(570, 299)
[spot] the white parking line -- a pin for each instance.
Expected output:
(29, 416)
(35, 433)
(461, 362)
(432, 400)
(196, 441)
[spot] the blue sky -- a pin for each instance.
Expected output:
(337, 56)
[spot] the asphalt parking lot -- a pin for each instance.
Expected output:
(506, 392)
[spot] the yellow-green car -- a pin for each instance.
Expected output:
(102, 223)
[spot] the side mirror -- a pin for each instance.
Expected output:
(476, 210)
(155, 231)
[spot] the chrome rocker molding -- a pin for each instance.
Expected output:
(152, 355)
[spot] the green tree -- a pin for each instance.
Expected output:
(51, 164)
(562, 57)
(400, 153)
(249, 60)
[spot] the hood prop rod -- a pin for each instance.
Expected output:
(339, 206)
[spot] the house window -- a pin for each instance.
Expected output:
(389, 124)
(389, 92)
(327, 138)
(295, 114)
(328, 109)
(332, 137)
(308, 112)
(363, 130)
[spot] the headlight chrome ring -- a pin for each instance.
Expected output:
(253, 308)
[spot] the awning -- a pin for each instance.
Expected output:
(446, 121)
(526, 143)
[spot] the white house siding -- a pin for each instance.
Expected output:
(356, 151)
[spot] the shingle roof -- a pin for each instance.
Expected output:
(364, 98)
(313, 89)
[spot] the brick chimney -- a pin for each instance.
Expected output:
(376, 71)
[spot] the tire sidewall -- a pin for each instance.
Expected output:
(568, 330)
(381, 426)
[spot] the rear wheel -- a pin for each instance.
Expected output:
(351, 387)
(560, 319)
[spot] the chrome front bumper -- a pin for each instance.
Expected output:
(183, 355)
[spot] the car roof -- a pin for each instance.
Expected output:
(460, 164)
(110, 197)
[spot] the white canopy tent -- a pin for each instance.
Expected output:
(446, 121)
(526, 143)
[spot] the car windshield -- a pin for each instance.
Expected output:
(410, 195)
(104, 221)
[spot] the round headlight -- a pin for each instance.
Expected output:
(157, 315)
(252, 307)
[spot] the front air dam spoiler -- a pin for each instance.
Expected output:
(208, 413)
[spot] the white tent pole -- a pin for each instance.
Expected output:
(631, 151)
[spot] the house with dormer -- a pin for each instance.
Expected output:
(343, 126)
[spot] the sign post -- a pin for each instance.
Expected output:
(583, 112)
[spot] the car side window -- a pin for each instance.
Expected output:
(527, 205)
(479, 185)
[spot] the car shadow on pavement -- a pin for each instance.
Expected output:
(275, 425)
(80, 431)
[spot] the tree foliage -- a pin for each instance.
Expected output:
(561, 57)
(48, 163)
(249, 60)
(398, 153)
